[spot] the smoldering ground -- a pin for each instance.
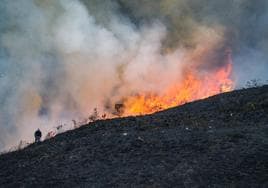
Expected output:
(61, 59)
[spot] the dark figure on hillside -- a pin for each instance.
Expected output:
(38, 135)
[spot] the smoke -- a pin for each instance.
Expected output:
(61, 59)
(244, 22)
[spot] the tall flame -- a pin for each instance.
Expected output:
(193, 86)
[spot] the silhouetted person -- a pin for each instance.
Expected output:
(38, 135)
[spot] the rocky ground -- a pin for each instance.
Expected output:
(221, 141)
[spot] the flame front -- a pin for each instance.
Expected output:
(193, 86)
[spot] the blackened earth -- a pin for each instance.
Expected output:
(221, 141)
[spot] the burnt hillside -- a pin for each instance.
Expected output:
(221, 141)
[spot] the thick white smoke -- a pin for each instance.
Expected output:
(61, 64)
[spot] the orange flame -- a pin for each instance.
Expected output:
(193, 86)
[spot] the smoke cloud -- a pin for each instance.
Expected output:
(61, 59)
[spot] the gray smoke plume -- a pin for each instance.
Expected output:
(61, 59)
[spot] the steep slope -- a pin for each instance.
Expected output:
(220, 141)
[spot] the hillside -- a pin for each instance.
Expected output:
(221, 141)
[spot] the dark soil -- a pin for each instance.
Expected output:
(221, 141)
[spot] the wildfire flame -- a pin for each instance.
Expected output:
(193, 86)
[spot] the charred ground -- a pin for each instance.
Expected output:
(217, 142)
